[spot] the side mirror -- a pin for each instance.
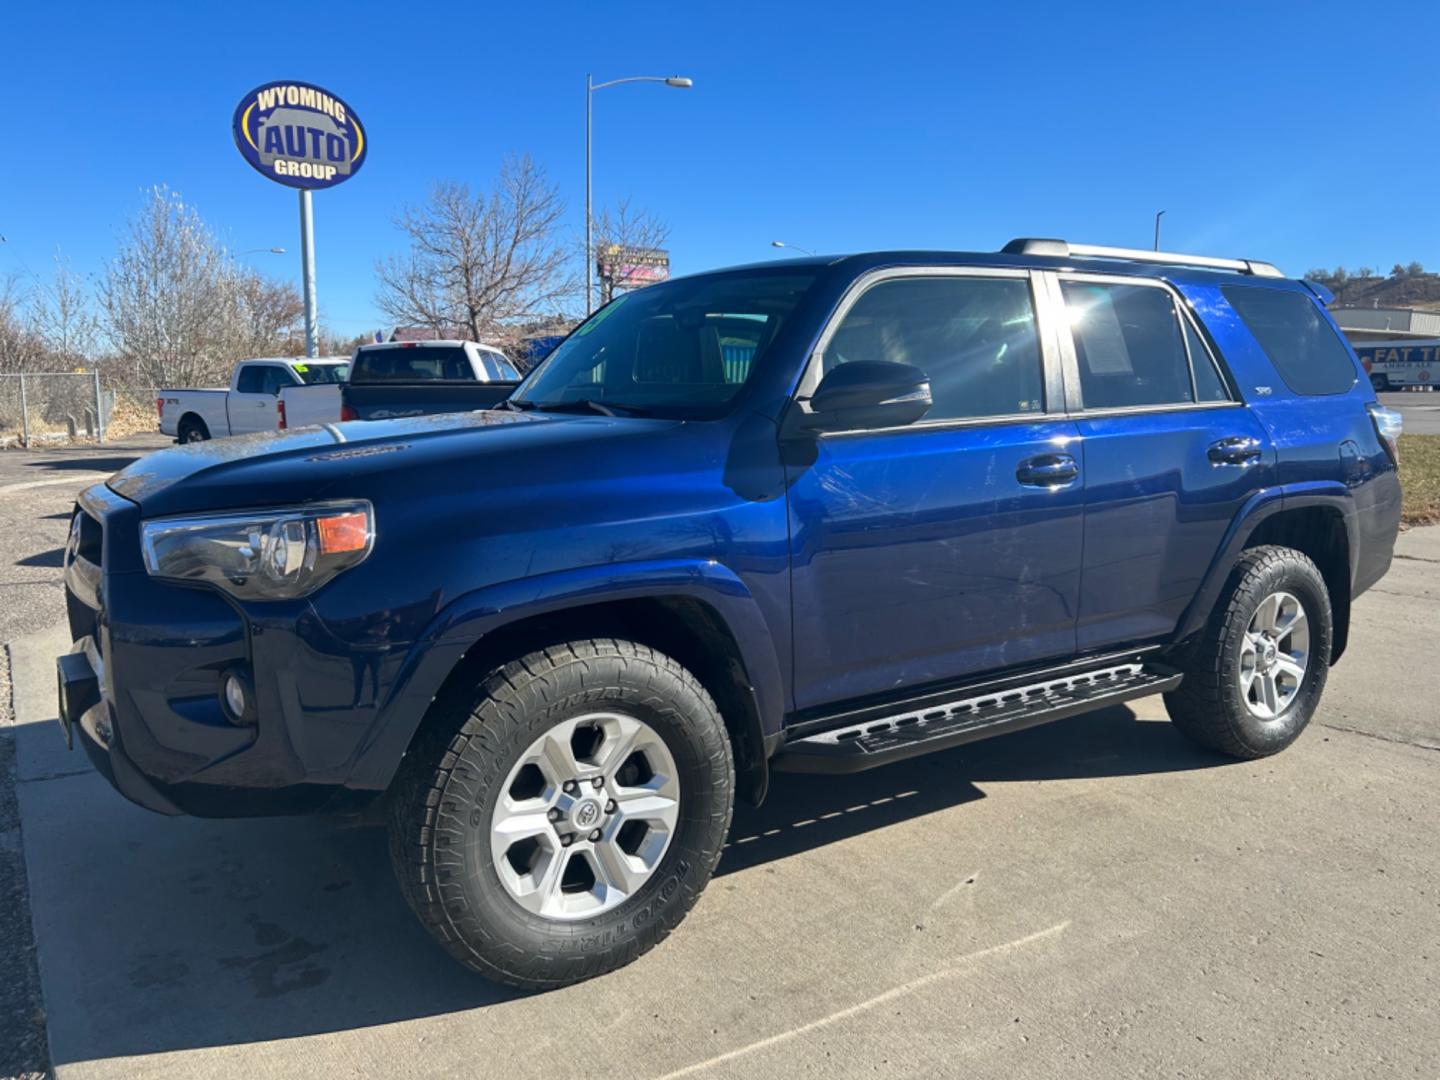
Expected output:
(867, 394)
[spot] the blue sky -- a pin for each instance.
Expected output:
(1299, 133)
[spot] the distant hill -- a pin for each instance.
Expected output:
(1405, 288)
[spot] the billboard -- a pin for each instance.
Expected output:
(299, 135)
(624, 267)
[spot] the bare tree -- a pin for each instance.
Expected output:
(64, 317)
(21, 348)
(478, 261)
(622, 227)
(179, 310)
(271, 314)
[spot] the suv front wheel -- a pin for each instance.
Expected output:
(1254, 675)
(564, 820)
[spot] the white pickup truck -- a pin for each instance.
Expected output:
(266, 394)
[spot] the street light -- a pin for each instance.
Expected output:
(680, 82)
(1158, 216)
(255, 251)
(796, 247)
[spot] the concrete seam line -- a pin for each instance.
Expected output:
(1372, 735)
(923, 981)
(73, 478)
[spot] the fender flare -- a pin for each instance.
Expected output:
(465, 621)
(1261, 505)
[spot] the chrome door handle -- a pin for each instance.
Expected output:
(1237, 450)
(1047, 470)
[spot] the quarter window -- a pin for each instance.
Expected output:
(973, 336)
(1128, 345)
(1300, 342)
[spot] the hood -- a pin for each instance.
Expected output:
(284, 468)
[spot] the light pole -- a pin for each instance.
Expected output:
(1159, 214)
(796, 247)
(678, 81)
(257, 251)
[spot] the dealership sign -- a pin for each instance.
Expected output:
(299, 135)
(632, 267)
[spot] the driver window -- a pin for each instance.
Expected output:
(974, 336)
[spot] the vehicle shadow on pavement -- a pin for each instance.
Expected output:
(803, 811)
(113, 463)
(157, 934)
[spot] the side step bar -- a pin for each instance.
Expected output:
(967, 719)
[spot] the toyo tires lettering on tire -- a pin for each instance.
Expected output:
(562, 821)
(1255, 673)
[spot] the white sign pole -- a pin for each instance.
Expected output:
(307, 273)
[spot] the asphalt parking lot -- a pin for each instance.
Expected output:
(1092, 898)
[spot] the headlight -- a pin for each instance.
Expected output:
(262, 554)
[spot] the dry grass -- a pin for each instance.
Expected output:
(1420, 477)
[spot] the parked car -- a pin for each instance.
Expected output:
(266, 394)
(415, 378)
(818, 516)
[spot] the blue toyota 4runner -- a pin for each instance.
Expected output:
(817, 515)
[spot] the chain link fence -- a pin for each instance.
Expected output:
(54, 407)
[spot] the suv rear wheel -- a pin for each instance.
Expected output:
(562, 823)
(1254, 675)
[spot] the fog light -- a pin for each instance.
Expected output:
(235, 700)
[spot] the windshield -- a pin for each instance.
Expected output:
(684, 348)
(311, 374)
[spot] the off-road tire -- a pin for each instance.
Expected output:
(1209, 705)
(192, 430)
(441, 803)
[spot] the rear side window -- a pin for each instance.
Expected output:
(974, 336)
(1128, 345)
(1301, 343)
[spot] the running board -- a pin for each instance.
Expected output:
(939, 727)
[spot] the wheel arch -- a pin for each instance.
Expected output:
(1317, 519)
(700, 615)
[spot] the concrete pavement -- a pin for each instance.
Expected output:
(1095, 897)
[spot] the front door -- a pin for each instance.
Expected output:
(952, 546)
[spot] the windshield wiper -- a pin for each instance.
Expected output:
(588, 405)
(511, 405)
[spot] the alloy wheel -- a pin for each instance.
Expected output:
(1274, 655)
(585, 816)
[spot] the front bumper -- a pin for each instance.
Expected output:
(85, 714)
(140, 691)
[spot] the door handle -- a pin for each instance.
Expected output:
(1237, 450)
(1047, 470)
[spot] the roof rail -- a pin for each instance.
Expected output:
(1061, 249)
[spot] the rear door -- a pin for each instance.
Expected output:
(1170, 454)
(252, 404)
(931, 552)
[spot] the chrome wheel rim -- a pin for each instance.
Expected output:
(585, 816)
(1275, 655)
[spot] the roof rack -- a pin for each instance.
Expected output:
(1061, 249)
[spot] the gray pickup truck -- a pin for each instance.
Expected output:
(413, 378)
